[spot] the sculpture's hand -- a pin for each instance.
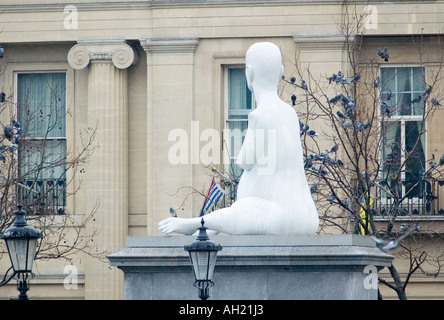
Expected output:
(179, 225)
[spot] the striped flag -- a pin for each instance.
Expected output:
(213, 198)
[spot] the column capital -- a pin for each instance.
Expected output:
(170, 45)
(118, 52)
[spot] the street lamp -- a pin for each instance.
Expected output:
(203, 253)
(21, 242)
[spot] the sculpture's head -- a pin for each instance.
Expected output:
(263, 65)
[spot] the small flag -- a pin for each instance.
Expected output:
(214, 196)
(364, 216)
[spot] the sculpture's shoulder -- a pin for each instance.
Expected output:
(279, 111)
(255, 115)
(259, 118)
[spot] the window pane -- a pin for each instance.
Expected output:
(404, 105)
(42, 187)
(41, 104)
(406, 84)
(403, 79)
(391, 156)
(388, 79)
(416, 161)
(418, 79)
(239, 96)
(42, 159)
(418, 108)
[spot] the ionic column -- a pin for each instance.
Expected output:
(107, 169)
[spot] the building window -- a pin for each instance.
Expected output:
(41, 111)
(240, 102)
(402, 88)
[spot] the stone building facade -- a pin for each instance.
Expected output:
(140, 70)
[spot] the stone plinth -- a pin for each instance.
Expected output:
(255, 267)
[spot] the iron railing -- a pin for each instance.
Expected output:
(424, 201)
(43, 196)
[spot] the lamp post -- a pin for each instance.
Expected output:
(203, 253)
(21, 242)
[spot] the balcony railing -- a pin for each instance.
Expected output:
(424, 201)
(43, 196)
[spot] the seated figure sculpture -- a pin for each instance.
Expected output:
(273, 195)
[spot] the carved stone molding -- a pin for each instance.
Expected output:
(119, 53)
(320, 42)
(161, 46)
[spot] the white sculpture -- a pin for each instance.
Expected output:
(273, 195)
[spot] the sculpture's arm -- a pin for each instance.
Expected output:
(247, 155)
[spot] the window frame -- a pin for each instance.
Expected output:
(402, 119)
(12, 69)
(61, 204)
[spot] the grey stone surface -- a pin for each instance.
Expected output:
(253, 267)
